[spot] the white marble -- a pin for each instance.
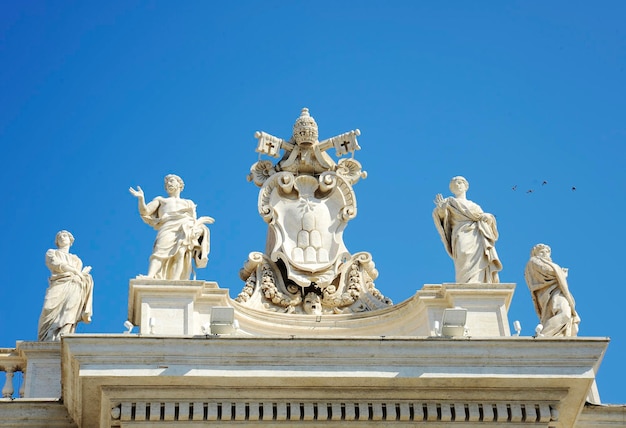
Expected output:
(307, 199)
(551, 296)
(182, 238)
(69, 295)
(469, 235)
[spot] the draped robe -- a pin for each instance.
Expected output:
(178, 230)
(68, 297)
(553, 301)
(469, 240)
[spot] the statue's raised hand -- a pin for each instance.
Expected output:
(438, 200)
(137, 193)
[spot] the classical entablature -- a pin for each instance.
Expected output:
(267, 381)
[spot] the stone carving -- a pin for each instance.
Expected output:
(553, 301)
(182, 239)
(307, 200)
(70, 291)
(468, 234)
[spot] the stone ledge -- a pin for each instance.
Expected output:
(594, 416)
(34, 413)
(100, 374)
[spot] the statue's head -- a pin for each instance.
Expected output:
(305, 129)
(541, 250)
(62, 234)
(312, 304)
(173, 183)
(458, 185)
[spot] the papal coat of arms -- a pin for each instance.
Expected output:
(307, 200)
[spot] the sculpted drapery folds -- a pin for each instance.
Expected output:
(69, 295)
(468, 234)
(553, 301)
(182, 239)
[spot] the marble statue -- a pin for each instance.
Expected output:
(307, 199)
(553, 301)
(468, 234)
(70, 291)
(182, 239)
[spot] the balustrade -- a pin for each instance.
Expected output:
(11, 363)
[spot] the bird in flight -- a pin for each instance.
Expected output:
(514, 187)
(573, 188)
(544, 183)
(529, 191)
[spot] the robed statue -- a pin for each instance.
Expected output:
(182, 239)
(468, 234)
(554, 303)
(69, 295)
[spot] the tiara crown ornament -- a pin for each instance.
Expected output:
(305, 128)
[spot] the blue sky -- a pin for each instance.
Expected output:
(97, 97)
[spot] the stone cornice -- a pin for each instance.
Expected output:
(101, 372)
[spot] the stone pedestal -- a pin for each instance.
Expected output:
(487, 306)
(166, 307)
(43, 369)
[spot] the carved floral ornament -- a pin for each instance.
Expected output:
(307, 200)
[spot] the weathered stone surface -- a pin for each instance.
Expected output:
(34, 413)
(361, 375)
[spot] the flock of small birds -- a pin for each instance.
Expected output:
(543, 184)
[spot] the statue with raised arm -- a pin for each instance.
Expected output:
(468, 234)
(553, 301)
(70, 291)
(182, 239)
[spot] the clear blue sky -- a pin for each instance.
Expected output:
(96, 97)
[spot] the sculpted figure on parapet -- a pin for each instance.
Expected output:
(182, 239)
(468, 234)
(553, 301)
(307, 199)
(70, 291)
